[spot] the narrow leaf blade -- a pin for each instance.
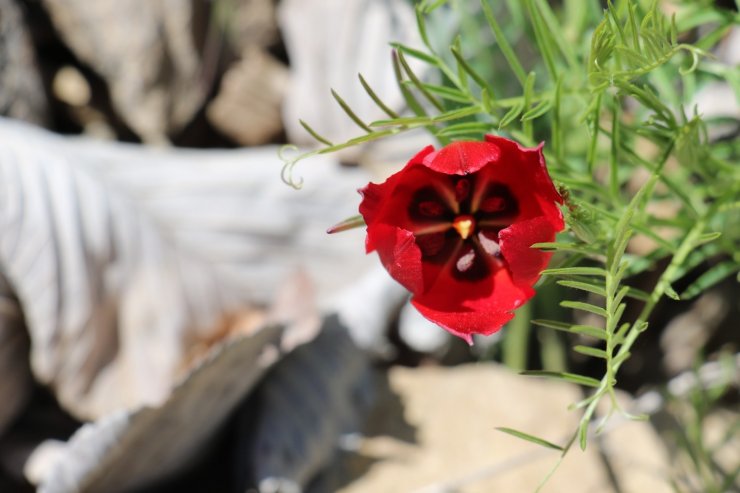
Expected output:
(529, 438)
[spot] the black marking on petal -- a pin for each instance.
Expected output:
(437, 248)
(431, 244)
(497, 202)
(471, 265)
(427, 205)
(431, 208)
(462, 190)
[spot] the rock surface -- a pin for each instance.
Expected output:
(144, 50)
(16, 381)
(21, 91)
(248, 105)
(443, 438)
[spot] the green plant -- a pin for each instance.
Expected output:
(609, 92)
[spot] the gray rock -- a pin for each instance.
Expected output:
(16, 381)
(248, 105)
(21, 91)
(145, 52)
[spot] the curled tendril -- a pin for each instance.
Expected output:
(286, 174)
(695, 54)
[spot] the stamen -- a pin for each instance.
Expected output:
(464, 225)
(428, 229)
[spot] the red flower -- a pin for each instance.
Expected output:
(455, 227)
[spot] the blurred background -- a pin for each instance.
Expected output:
(173, 316)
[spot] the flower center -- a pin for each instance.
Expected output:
(464, 225)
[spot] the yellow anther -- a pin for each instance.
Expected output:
(464, 225)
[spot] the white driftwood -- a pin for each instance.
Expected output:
(131, 449)
(329, 42)
(121, 257)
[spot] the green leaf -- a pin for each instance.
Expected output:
(472, 72)
(707, 237)
(448, 93)
(621, 358)
(557, 120)
(414, 53)
(315, 134)
(566, 247)
(544, 42)
(583, 286)
(466, 128)
(430, 6)
(568, 377)
(503, 44)
(376, 99)
(352, 142)
(585, 330)
(590, 351)
(403, 121)
(553, 324)
(594, 115)
(456, 114)
(408, 96)
(530, 438)
(602, 47)
(623, 291)
(711, 277)
(590, 330)
(416, 82)
(637, 294)
(350, 223)
(671, 293)
(575, 271)
(583, 433)
(350, 113)
(586, 307)
(416, 121)
(511, 115)
(555, 30)
(540, 109)
(527, 127)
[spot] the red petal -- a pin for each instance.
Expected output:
(454, 306)
(465, 306)
(526, 263)
(462, 158)
(533, 161)
(399, 254)
(375, 197)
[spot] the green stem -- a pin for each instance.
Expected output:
(664, 283)
(612, 280)
(516, 342)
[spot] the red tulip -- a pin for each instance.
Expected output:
(455, 227)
